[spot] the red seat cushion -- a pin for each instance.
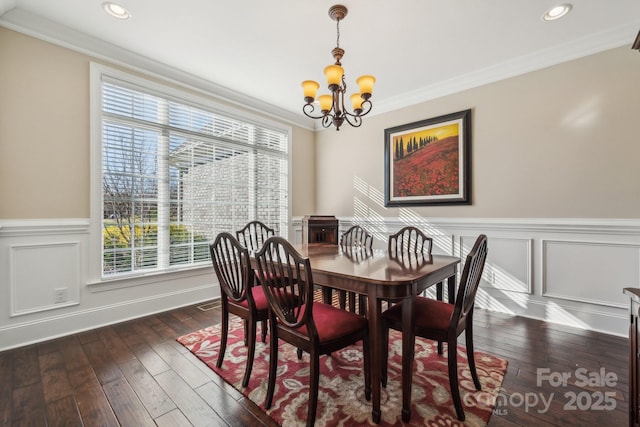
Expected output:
(429, 313)
(333, 323)
(259, 297)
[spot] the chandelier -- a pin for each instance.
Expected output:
(332, 107)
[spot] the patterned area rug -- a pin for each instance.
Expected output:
(341, 397)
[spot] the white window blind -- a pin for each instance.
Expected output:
(176, 173)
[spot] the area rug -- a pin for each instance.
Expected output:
(341, 399)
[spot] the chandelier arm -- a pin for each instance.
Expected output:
(327, 120)
(353, 120)
(307, 111)
(366, 108)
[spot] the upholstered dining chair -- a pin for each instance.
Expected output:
(441, 321)
(295, 317)
(353, 240)
(254, 234)
(239, 295)
(411, 241)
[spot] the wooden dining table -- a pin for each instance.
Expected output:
(381, 277)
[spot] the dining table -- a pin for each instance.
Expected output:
(382, 277)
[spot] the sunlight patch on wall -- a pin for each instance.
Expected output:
(374, 222)
(372, 193)
(583, 115)
(501, 279)
(440, 239)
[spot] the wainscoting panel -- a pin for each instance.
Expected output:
(508, 265)
(567, 271)
(47, 291)
(44, 277)
(590, 272)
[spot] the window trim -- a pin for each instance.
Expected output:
(177, 90)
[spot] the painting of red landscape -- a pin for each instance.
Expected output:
(412, 178)
(427, 162)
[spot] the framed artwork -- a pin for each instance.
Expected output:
(429, 162)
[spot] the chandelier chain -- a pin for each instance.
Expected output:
(338, 32)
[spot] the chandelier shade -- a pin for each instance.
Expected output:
(332, 106)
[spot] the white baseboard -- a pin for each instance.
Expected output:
(58, 325)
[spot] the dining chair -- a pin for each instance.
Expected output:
(409, 240)
(355, 239)
(254, 234)
(239, 295)
(314, 327)
(441, 321)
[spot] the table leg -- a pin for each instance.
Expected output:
(408, 350)
(375, 334)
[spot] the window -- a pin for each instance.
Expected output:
(175, 172)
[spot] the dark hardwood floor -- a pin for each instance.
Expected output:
(136, 374)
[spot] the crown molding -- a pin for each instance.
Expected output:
(43, 29)
(52, 32)
(585, 46)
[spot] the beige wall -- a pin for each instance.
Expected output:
(561, 142)
(44, 134)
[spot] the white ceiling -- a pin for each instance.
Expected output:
(417, 49)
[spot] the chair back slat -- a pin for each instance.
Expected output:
(409, 240)
(286, 278)
(356, 237)
(231, 264)
(470, 280)
(254, 234)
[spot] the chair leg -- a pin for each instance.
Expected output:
(440, 350)
(273, 363)
(246, 332)
(471, 357)
(452, 351)
(299, 352)
(250, 353)
(314, 381)
(263, 329)
(366, 355)
(223, 336)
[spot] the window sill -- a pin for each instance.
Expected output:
(147, 278)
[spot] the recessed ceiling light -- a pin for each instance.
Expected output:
(557, 12)
(116, 10)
